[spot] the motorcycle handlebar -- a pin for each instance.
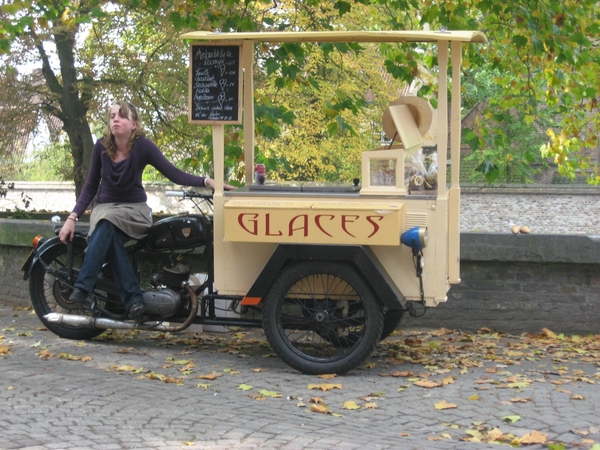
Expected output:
(189, 194)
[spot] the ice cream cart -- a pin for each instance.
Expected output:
(331, 268)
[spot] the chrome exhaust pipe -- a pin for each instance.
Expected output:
(106, 324)
(88, 322)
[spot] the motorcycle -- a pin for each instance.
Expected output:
(319, 318)
(171, 301)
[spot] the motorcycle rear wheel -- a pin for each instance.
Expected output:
(321, 317)
(49, 293)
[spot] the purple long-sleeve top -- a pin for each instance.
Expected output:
(122, 182)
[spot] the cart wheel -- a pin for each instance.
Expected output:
(391, 320)
(321, 317)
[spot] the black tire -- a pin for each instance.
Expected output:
(50, 294)
(310, 311)
(391, 320)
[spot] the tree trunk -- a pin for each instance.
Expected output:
(80, 138)
(71, 101)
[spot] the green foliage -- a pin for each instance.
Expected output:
(52, 163)
(319, 106)
(543, 61)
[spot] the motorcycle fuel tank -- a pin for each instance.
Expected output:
(180, 232)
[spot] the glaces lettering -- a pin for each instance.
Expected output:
(303, 226)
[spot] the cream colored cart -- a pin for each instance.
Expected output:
(331, 268)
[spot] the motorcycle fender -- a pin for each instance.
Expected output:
(36, 254)
(362, 257)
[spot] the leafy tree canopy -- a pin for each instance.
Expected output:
(539, 70)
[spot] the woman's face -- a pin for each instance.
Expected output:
(121, 126)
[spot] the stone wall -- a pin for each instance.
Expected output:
(523, 283)
(509, 283)
(566, 209)
(545, 209)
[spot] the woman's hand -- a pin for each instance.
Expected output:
(68, 230)
(209, 182)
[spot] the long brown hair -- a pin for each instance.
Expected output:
(126, 109)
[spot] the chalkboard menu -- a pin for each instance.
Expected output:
(215, 84)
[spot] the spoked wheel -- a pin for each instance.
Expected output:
(49, 293)
(391, 320)
(321, 317)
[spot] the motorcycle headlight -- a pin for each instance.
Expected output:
(415, 238)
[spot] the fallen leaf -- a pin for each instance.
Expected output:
(521, 400)
(319, 408)
(494, 435)
(564, 391)
(258, 369)
(315, 400)
(327, 376)
(548, 333)
(351, 405)
(448, 380)
(426, 384)
(4, 349)
(325, 387)
(511, 419)
(271, 394)
(371, 405)
(405, 373)
(210, 376)
(474, 397)
(124, 350)
(189, 444)
(444, 405)
(580, 432)
(578, 397)
(403, 434)
(535, 437)
(244, 387)
(204, 385)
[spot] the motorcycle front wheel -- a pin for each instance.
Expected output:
(321, 317)
(50, 293)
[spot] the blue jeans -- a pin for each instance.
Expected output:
(107, 243)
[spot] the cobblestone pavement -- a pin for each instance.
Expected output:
(150, 390)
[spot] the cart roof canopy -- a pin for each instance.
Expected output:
(340, 36)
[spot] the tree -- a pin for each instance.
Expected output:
(542, 58)
(94, 51)
(545, 58)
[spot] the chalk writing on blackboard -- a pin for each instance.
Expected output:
(215, 83)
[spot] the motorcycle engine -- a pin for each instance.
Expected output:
(162, 302)
(165, 299)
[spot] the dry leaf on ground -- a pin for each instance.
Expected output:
(444, 405)
(325, 386)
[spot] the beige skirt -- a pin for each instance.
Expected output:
(133, 219)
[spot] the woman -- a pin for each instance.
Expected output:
(121, 212)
